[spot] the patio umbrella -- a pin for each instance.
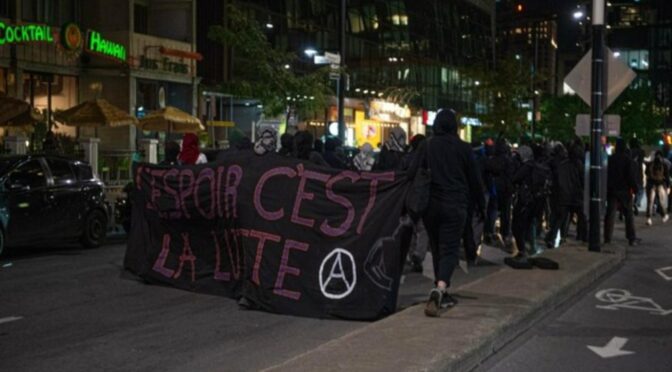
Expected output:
(94, 114)
(171, 119)
(17, 113)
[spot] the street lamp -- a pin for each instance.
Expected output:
(578, 15)
(310, 52)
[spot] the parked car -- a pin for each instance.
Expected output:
(47, 198)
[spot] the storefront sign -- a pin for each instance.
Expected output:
(238, 227)
(97, 44)
(27, 33)
(379, 108)
(71, 37)
(163, 64)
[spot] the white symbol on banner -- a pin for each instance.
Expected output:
(612, 349)
(340, 282)
(622, 299)
(665, 272)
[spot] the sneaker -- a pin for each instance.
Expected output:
(649, 222)
(448, 301)
(666, 218)
(434, 303)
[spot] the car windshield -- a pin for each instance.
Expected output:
(6, 164)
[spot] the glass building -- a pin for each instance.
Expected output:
(407, 52)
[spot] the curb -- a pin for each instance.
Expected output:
(492, 316)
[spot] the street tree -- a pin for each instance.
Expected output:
(502, 90)
(558, 116)
(265, 72)
(640, 117)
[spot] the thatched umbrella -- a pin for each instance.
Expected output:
(17, 113)
(94, 114)
(172, 120)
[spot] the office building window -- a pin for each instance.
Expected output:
(5, 10)
(141, 18)
(53, 12)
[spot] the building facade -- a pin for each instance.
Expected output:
(401, 56)
(138, 54)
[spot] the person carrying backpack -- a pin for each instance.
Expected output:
(534, 181)
(621, 183)
(658, 175)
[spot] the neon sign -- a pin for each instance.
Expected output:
(97, 44)
(27, 33)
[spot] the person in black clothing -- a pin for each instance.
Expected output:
(568, 183)
(530, 199)
(473, 230)
(287, 145)
(638, 156)
(332, 154)
(454, 181)
(393, 151)
(419, 239)
(502, 167)
(171, 152)
(658, 182)
(303, 149)
(620, 186)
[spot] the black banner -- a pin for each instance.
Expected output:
(289, 237)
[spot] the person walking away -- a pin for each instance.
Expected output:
(658, 175)
(621, 183)
(454, 179)
(533, 181)
(502, 167)
(638, 156)
(473, 230)
(364, 160)
(393, 151)
(568, 183)
(419, 239)
(191, 153)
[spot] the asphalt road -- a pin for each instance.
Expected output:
(629, 313)
(69, 309)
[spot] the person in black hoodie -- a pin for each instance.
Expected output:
(333, 155)
(638, 156)
(393, 152)
(502, 167)
(303, 149)
(455, 180)
(620, 186)
(567, 193)
(287, 145)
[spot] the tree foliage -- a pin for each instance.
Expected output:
(259, 68)
(639, 116)
(502, 90)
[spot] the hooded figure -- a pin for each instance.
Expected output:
(191, 153)
(455, 182)
(303, 149)
(267, 140)
(287, 143)
(364, 161)
(332, 154)
(622, 183)
(393, 151)
(171, 153)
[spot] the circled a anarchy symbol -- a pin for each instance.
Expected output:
(337, 272)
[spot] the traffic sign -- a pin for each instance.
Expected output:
(583, 125)
(619, 77)
(333, 58)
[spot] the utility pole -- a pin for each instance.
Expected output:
(341, 81)
(598, 104)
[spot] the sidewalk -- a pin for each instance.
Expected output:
(493, 310)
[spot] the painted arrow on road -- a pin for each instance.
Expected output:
(612, 349)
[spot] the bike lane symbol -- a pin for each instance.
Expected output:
(623, 299)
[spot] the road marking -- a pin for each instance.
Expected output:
(10, 319)
(665, 272)
(623, 299)
(611, 349)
